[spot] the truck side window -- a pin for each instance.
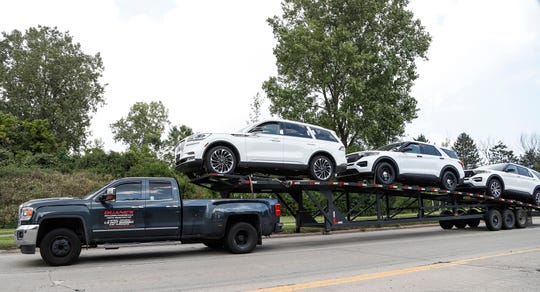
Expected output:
(160, 190)
(129, 191)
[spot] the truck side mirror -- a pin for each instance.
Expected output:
(109, 196)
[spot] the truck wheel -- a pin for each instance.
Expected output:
(493, 220)
(321, 168)
(385, 173)
(494, 188)
(521, 218)
(220, 159)
(449, 181)
(509, 219)
(60, 247)
(446, 224)
(241, 238)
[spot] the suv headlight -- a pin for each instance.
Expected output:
(26, 213)
(197, 137)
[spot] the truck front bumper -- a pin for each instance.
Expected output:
(25, 238)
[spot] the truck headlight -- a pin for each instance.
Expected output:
(26, 213)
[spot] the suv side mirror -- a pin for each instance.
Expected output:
(256, 130)
(109, 196)
(406, 149)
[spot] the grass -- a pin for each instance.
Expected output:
(6, 238)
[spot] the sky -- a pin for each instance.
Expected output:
(207, 59)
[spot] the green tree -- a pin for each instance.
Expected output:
(500, 154)
(421, 138)
(531, 151)
(176, 134)
(45, 75)
(143, 126)
(347, 65)
(467, 151)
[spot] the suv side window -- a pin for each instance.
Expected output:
(271, 128)
(414, 148)
(523, 171)
(296, 130)
(129, 191)
(325, 135)
(429, 150)
(160, 190)
(510, 168)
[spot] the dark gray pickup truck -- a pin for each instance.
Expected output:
(143, 209)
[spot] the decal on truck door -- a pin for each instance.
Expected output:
(114, 219)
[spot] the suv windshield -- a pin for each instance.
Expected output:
(391, 147)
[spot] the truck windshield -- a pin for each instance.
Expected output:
(94, 192)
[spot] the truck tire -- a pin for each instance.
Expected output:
(493, 219)
(60, 247)
(521, 218)
(509, 219)
(241, 238)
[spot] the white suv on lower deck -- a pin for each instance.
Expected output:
(277, 147)
(409, 162)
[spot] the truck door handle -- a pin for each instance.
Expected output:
(171, 206)
(136, 207)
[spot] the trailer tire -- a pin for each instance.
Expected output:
(493, 219)
(521, 218)
(60, 247)
(385, 173)
(509, 219)
(446, 224)
(473, 223)
(241, 238)
(460, 224)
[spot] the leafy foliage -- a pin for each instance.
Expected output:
(347, 65)
(45, 75)
(467, 151)
(143, 126)
(500, 154)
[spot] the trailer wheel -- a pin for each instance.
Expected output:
(449, 181)
(241, 238)
(509, 219)
(473, 223)
(493, 220)
(385, 173)
(60, 247)
(220, 159)
(321, 168)
(495, 188)
(521, 218)
(446, 224)
(460, 224)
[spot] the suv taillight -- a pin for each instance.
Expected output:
(277, 209)
(462, 164)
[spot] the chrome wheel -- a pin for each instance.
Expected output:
(221, 160)
(495, 188)
(322, 168)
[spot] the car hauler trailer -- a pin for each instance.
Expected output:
(352, 204)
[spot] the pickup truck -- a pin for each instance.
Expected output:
(144, 209)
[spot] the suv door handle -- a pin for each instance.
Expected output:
(275, 140)
(441, 158)
(418, 155)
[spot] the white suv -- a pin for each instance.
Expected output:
(408, 162)
(506, 180)
(278, 147)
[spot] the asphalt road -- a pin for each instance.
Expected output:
(411, 259)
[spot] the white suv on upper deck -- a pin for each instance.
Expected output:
(278, 147)
(409, 162)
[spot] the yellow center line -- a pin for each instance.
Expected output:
(358, 278)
